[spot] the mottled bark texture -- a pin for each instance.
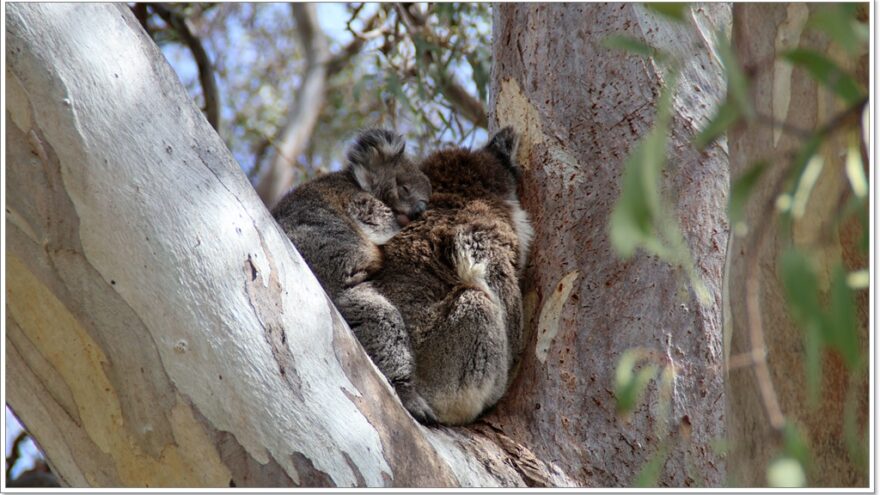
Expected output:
(761, 32)
(581, 108)
(160, 328)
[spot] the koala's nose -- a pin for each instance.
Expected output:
(420, 207)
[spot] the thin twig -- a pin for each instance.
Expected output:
(338, 62)
(140, 13)
(765, 119)
(206, 69)
(467, 105)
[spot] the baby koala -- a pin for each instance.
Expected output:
(337, 223)
(338, 220)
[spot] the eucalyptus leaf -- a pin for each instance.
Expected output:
(649, 474)
(826, 72)
(629, 384)
(725, 116)
(632, 220)
(634, 46)
(795, 445)
(840, 24)
(742, 189)
(480, 75)
(802, 294)
(673, 10)
(737, 83)
(840, 324)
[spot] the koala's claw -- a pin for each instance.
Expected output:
(416, 405)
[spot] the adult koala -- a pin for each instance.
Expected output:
(339, 221)
(454, 277)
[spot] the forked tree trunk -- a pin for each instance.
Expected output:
(761, 32)
(161, 329)
(581, 108)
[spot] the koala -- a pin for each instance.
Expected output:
(339, 221)
(453, 275)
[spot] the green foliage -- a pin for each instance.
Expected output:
(741, 189)
(725, 116)
(828, 73)
(672, 10)
(821, 302)
(839, 22)
(639, 218)
(629, 384)
(834, 327)
(649, 473)
(794, 445)
(394, 79)
(736, 105)
(635, 370)
(802, 292)
(636, 215)
(788, 469)
(737, 85)
(840, 327)
(634, 46)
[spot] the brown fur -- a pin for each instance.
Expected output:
(453, 275)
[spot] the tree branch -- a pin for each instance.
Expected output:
(206, 70)
(336, 63)
(466, 104)
(306, 108)
(161, 279)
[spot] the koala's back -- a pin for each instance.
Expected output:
(452, 278)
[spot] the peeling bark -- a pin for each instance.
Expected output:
(161, 329)
(581, 108)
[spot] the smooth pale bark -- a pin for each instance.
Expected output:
(581, 108)
(760, 33)
(161, 329)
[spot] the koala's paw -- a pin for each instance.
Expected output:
(356, 278)
(414, 403)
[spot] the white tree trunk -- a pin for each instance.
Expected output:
(161, 330)
(581, 108)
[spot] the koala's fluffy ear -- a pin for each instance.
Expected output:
(503, 145)
(373, 152)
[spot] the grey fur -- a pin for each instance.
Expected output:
(337, 223)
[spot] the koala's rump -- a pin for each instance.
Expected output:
(456, 320)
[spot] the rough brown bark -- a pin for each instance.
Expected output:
(761, 32)
(581, 108)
